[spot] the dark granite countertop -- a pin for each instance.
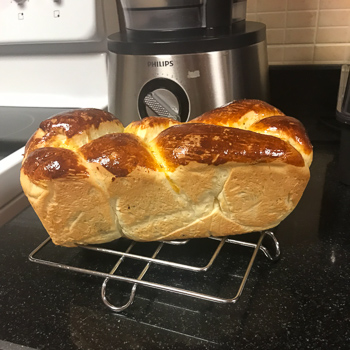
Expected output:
(298, 302)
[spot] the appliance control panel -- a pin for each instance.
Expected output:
(42, 21)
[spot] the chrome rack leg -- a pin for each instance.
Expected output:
(277, 252)
(275, 256)
(252, 260)
(133, 290)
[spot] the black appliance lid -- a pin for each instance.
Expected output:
(126, 44)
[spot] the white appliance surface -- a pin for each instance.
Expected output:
(54, 80)
(12, 199)
(38, 21)
(53, 57)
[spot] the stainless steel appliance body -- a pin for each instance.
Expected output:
(202, 81)
(178, 59)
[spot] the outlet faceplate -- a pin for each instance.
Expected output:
(50, 21)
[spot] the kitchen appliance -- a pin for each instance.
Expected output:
(53, 57)
(178, 58)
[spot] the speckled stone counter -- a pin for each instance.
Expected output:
(298, 302)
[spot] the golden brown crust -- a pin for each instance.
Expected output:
(286, 128)
(215, 145)
(120, 154)
(148, 128)
(232, 113)
(74, 122)
(52, 163)
(151, 122)
(33, 143)
(73, 128)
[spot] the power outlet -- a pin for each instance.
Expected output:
(53, 21)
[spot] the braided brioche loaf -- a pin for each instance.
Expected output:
(239, 168)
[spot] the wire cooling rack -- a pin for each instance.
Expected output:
(173, 266)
